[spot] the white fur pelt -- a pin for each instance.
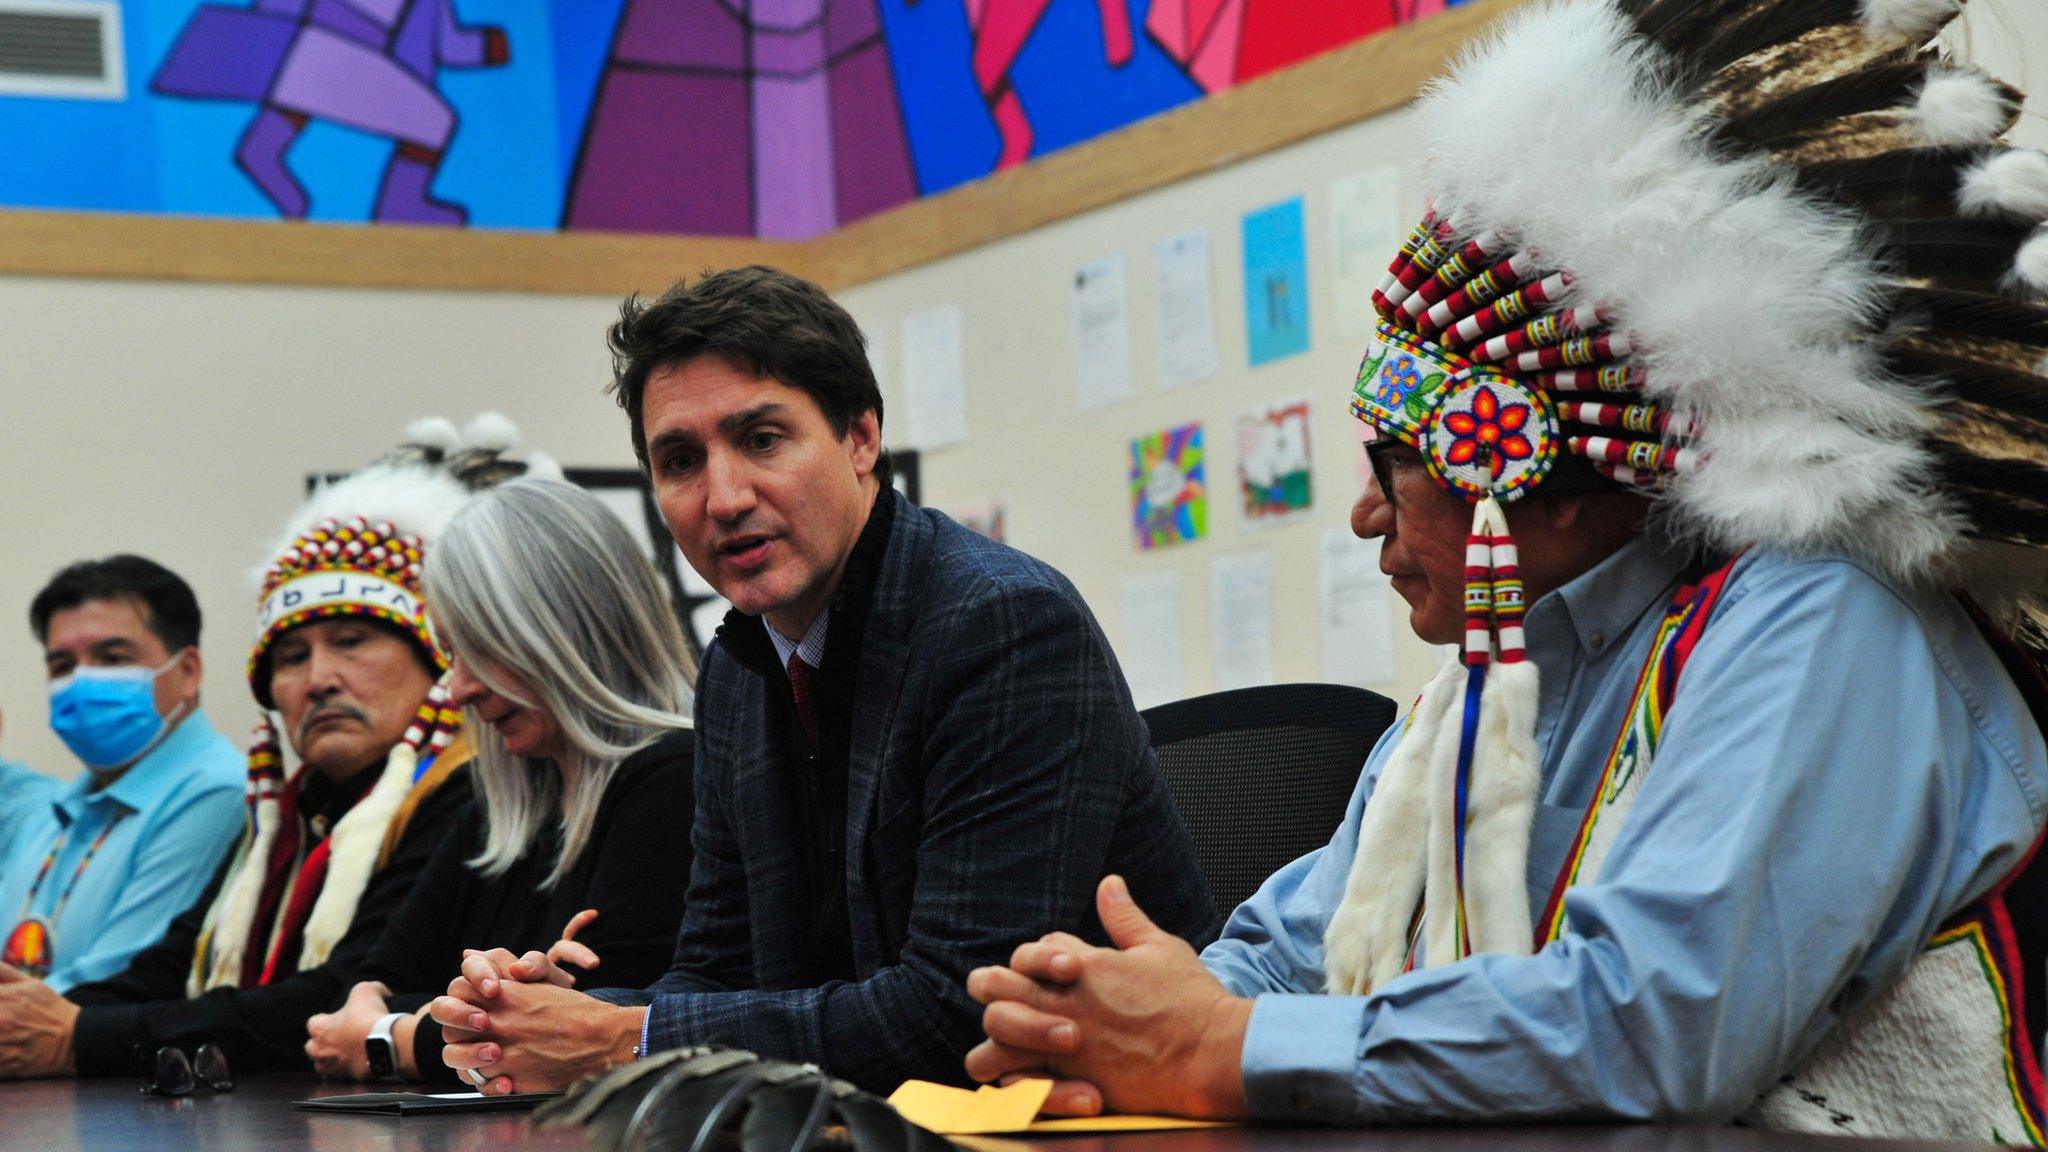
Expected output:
(1407, 841)
(235, 907)
(352, 852)
(1563, 133)
(1366, 941)
(220, 962)
(1506, 774)
(356, 841)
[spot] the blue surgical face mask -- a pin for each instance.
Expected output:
(108, 716)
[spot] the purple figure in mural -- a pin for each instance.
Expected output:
(773, 118)
(367, 64)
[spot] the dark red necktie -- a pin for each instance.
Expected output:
(800, 689)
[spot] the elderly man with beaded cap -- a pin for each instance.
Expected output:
(347, 668)
(1709, 412)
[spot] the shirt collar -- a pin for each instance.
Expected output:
(1604, 602)
(749, 639)
(148, 780)
(811, 647)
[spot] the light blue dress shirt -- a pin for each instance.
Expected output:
(1845, 766)
(180, 811)
(23, 792)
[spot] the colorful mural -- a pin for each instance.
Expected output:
(368, 64)
(775, 118)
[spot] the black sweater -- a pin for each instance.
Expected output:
(634, 871)
(262, 1029)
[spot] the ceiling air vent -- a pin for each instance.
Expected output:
(61, 48)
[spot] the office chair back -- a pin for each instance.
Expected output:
(1262, 775)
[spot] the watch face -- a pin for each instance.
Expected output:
(378, 1048)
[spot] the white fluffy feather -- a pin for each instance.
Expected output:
(1562, 133)
(1957, 107)
(1916, 20)
(417, 499)
(2013, 183)
(542, 466)
(491, 432)
(434, 432)
(2030, 267)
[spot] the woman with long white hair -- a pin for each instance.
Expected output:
(573, 673)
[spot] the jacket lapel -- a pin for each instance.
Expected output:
(884, 657)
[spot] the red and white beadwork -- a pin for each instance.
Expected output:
(1500, 312)
(1488, 435)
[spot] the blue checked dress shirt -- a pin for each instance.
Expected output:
(180, 812)
(1844, 767)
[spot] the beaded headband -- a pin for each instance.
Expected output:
(1489, 396)
(344, 568)
(355, 548)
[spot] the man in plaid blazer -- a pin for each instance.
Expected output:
(915, 750)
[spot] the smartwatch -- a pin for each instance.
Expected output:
(381, 1050)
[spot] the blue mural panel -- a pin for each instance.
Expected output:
(766, 117)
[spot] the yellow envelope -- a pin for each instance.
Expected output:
(990, 1110)
(959, 1112)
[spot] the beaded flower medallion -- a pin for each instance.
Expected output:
(1488, 433)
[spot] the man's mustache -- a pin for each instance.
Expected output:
(328, 712)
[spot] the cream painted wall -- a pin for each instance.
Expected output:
(179, 420)
(1064, 471)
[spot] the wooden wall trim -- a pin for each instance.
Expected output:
(133, 246)
(1340, 87)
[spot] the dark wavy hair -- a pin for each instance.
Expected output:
(760, 320)
(170, 609)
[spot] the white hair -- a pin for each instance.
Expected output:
(537, 580)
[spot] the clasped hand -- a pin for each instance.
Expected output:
(36, 1027)
(519, 1021)
(1138, 1027)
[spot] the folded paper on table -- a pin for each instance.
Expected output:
(989, 1111)
(415, 1103)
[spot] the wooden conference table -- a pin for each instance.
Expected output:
(110, 1114)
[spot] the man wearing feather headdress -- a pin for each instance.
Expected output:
(347, 667)
(1708, 412)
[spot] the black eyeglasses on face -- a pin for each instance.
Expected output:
(172, 1073)
(1382, 454)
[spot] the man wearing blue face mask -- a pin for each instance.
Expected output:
(95, 874)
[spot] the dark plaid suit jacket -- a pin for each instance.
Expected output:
(997, 771)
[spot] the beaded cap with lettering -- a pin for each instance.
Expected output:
(355, 548)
